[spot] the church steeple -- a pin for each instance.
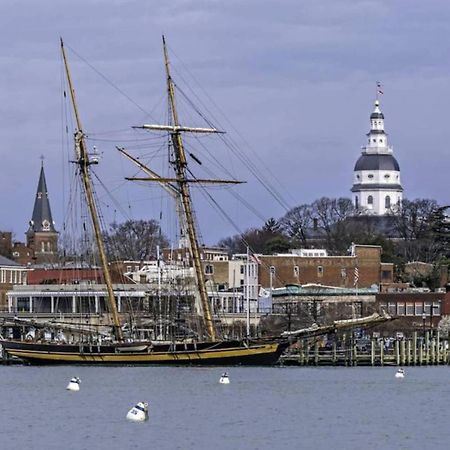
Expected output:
(42, 237)
(41, 219)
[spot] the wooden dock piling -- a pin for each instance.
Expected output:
(429, 349)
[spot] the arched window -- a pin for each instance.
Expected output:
(387, 202)
(370, 201)
(356, 202)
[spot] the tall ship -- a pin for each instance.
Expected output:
(207, 348)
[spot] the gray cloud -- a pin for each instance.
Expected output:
(297, 79)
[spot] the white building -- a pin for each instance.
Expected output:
(377, 187)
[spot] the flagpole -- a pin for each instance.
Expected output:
(247, 279)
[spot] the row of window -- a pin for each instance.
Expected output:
(209, 270)
(422, 309)
(387, 201)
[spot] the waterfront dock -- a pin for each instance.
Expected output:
(426, 350)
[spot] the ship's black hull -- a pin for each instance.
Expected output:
(206, 353)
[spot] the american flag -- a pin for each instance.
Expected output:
(356, 276)
(254, 258)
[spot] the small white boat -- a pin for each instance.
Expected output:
(400, 373)
(224, 379)
(74, 384)
(138, 413)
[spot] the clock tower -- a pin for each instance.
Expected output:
(42, 237)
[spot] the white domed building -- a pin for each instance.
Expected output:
(377, 188)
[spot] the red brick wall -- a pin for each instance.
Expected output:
(336, 270)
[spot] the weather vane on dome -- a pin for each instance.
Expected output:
(379, 90)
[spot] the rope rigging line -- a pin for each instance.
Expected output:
(245, 159)
(111, 83)
(256, 155)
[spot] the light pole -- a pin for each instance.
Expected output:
(424, 318)
(431, 320)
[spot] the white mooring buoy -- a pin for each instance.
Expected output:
(224, 379)
(138, 413)
(400, 373)
(74, 384)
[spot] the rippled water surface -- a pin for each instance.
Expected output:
(262, 408)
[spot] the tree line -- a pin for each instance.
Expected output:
(418, 231)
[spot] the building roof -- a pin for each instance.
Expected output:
(42, 216)
(377, 162)
(377, 115)
(376, 186)
(321, 290)
(8, 262)
(384, 225)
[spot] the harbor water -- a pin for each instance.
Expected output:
(261, 408)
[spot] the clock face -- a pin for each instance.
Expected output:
(46, 225)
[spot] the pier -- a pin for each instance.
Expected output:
(426, 350)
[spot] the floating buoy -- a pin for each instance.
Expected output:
(224, 379)
(138, 413)
(400, 373)
(74, 384)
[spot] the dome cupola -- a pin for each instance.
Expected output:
(376, 179)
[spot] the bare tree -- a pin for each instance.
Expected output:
(333, 216)
(135, 240)
(297, 223)
(414, 225)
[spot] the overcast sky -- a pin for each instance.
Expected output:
(296, 79)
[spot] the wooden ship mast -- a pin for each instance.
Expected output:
(181, 181)
(83, 162)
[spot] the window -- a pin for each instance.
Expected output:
(370, 201)
(209, 269)
(387, 202)
(387, 176)
(418, 309)
(370, 176)
(410, 309)
(296, 271)
(400, 309)
(319, 271)
(386, 275)
(242, 269)
(436, 309)
(356, 202)
(392, 309)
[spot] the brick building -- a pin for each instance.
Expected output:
(296, 268)
(414, 311)
(11, 273)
